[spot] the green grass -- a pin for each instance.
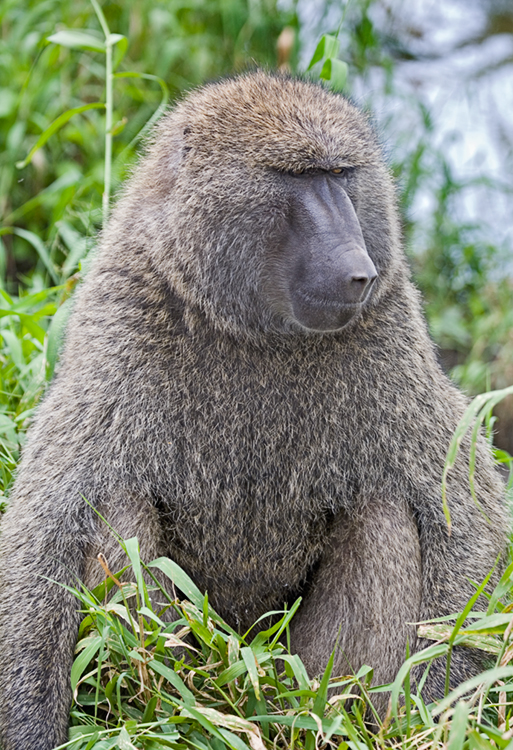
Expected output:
(141, 681)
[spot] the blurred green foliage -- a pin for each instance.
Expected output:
(183, 42)
(465, 278)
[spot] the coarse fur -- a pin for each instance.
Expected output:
(193, 412)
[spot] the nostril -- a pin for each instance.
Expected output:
(361, 284)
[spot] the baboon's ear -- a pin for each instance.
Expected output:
(186, 133)
(179, 150)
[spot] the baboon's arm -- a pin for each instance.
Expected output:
(39, 618)
(365, 594)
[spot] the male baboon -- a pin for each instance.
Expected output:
(248, 386)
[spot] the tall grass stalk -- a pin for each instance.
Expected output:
(109, 44)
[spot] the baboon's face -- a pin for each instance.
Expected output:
(281, 211)
(321, 275)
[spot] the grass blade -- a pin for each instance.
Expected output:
(54, 127)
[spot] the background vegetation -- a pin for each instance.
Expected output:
(53, 73)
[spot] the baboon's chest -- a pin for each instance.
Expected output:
(255, 469)
(246, 552)
(248, 526)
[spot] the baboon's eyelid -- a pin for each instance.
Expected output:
(308, 171)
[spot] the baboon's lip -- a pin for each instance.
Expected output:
(329, 304)
(323, 315)
(333, 303)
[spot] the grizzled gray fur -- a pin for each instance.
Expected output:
(248, 386)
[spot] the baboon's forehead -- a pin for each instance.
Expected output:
(274, 121)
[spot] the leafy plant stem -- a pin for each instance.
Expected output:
(108, 110)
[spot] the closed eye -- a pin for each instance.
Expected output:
(311, 171)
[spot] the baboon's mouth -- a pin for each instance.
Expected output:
(321, 314)
(333, 304)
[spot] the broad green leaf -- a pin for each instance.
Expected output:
(230, 721)
(83, 659)
(149, 711)
(150, 615)
(325, 73)
(233, 647)
(299, 721)
(233, 739)
(194, 713)
(319, 53)
(120, 49)
(77, 39)
(124, 742)
(425, 716)
(24, 415)
(332, 46)
(334, 728)
(230, 674)
(113, 39)
(298, 669)
(327, 47)
(478, 742)
(335, 71)
(132, 550)
(251, 665)
(174, 679)
(180, 579)
(501, 456)
(83, 731)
